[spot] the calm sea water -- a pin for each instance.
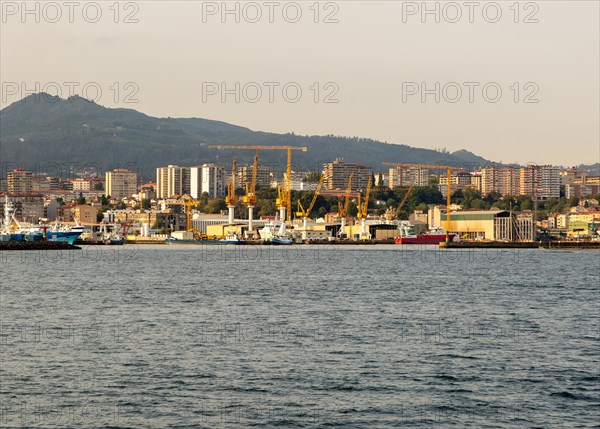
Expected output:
(331, 336)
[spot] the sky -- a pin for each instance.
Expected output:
(512, 82)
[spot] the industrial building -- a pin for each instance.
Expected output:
(498, 225)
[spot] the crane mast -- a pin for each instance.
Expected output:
(343, 204)
(231, 199)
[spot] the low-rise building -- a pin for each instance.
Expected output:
(497, 225)
(81, 213)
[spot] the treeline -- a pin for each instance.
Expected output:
(381, 199)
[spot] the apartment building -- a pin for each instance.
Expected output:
(458, 180)
(208, 178)
(337, 175)
(504, 180)
(406, 176)
(121, 183)
(244, 175)
(173, 180)
(540, 181)
(20, 181)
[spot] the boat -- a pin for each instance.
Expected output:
(233, 239)
(278, 241)
(273, 233)
(116, 240)
(408, 236)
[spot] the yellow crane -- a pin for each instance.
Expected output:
(284, 202)
(188, 202)
(303, 214)
(343, 204)
(362, 212)
(250, 197)
(231, 198)
(449, 170)
(391, 215)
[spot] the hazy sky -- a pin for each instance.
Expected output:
(373, 61)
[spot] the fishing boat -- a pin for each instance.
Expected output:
(64, 233)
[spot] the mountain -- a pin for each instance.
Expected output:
(594, 169)
(41, 129)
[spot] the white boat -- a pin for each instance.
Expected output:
(233, 239)
(275, 233)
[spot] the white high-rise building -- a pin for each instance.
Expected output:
(208, 178)
(172, 180)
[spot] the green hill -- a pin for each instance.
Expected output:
(42, 129)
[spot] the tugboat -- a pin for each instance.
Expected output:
(408, 236)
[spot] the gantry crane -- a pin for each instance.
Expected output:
(231, 198)
(362, 212)
(301, 213)
(390, 214)
(284, 200)
(343, 204)
(188, 202)
(449, 170)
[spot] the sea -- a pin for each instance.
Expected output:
(208, 336)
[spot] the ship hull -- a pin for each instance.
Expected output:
(68, 237)
(424, 239)
(278, 241)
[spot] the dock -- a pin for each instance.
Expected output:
(37, 245)
(552, 245)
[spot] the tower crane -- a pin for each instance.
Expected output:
(449, 170)
(301, 213)
(284, 201)
(362, 212)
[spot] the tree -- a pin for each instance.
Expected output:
(215, 205)
(81, 199)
